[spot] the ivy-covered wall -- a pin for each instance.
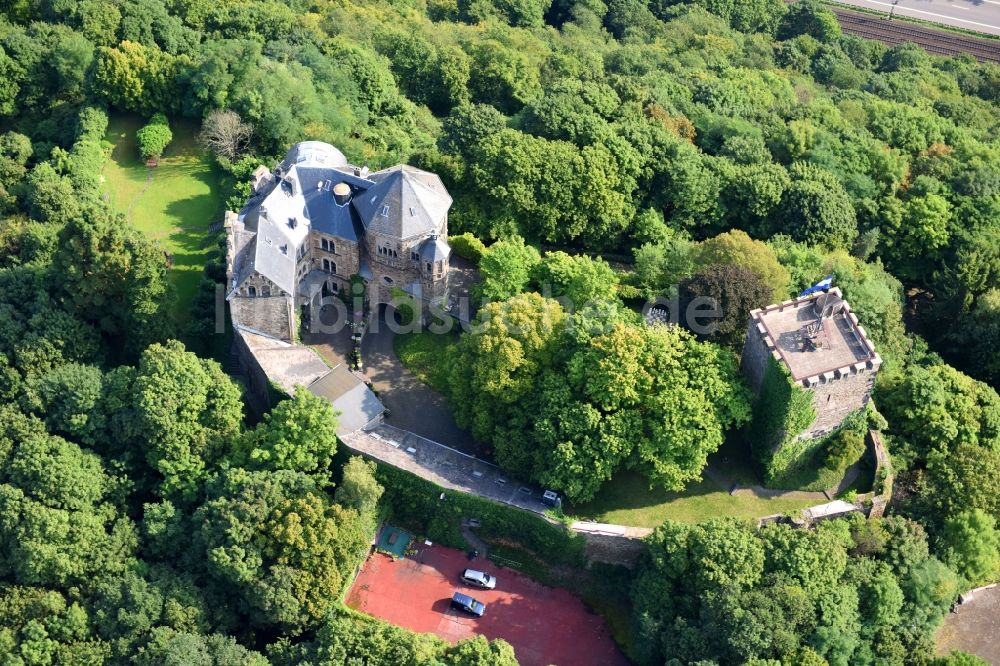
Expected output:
(783, 411)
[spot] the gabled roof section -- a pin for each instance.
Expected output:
(357, 404)
(404, 202)
(280, 225)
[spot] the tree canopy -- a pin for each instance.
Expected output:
(604, 152)
(568, 401)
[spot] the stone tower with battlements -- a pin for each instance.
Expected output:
(825, 350)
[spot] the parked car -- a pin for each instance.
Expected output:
(464, 602)
(479, 579)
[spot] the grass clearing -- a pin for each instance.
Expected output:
(173, 203)
(422, 352)
(810, 475)
(627, 500)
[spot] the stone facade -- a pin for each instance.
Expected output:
(398, 263)
(337, 257)
(835, 398)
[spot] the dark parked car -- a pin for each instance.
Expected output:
(479, 579)
(466, 603)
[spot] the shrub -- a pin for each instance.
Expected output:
(154, 137)
(467, 246)
(843, 449)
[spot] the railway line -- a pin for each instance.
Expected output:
(934, 41)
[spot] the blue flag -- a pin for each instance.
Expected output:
(822, 285)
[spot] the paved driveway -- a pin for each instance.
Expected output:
(332, 339)
(412, 405)
(544, 625)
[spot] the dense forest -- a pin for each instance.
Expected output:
(734, 148)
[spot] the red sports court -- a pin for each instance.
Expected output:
(544, 625)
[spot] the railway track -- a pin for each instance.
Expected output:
(938, 42)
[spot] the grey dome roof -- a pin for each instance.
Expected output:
(314, 153)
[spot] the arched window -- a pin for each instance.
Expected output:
(265, 290)
(252, 291)
(329, 266)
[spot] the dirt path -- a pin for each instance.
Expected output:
(131, 204)
(761, 492)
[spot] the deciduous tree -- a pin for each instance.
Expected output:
(225, 134)
(285, 549)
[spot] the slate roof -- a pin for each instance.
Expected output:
(357, 404)
(400, 202)
(321, 209)
(404, 202)
(434, 249)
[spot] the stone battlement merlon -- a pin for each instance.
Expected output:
(849, 351)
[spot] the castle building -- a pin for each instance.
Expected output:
(819, 342)
(316, 226)
(316, 221)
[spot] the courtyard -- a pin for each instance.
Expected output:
(544, 625)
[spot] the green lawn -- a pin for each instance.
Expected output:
(173, 203)
(421, 354)
(627, 500)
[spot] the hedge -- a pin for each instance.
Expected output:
(416, 504)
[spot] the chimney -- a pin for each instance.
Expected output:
(260, 177)
(233, 228)
(341, 193)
